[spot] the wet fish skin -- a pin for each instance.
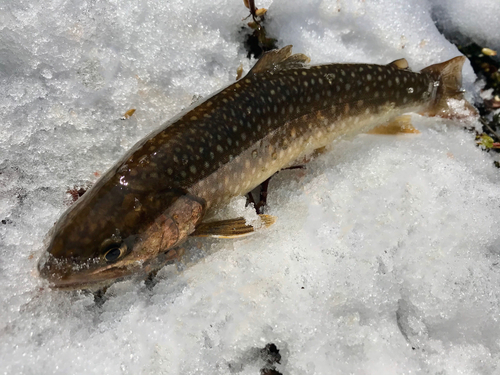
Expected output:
(132, 220)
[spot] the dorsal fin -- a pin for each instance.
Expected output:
(279, 59)
(400, 64)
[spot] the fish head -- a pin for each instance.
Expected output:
(113, 231)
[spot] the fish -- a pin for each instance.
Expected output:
(135, 218)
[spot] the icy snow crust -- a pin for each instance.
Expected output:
(385, 257)
(460, 20)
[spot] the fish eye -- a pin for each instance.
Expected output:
(113, 254)
(114, 251)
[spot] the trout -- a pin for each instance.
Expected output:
(134, 218)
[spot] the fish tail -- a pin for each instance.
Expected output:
(448, 80)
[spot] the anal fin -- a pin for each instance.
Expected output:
(232, 228)
(400, 125)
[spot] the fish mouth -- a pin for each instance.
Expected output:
(66, 276)
(81, 283)
(86, 280)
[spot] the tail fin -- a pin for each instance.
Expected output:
(448, 79)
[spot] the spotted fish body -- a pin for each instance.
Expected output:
(133, 219)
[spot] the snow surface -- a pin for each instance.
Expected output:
(385, 258)
(466, 20)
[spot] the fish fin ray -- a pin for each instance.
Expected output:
(401, 64)
(400, 125)
(279, 59)
(232, 228)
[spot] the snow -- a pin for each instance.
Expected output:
(468, 21)
(385, 257)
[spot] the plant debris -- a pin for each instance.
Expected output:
(486, 65)
(128, 114)
(271, 355)
(76, 193)
(486, 141)
(257, 41)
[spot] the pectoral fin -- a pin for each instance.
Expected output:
(232, 228)
(401, 124)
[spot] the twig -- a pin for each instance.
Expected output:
(485, 123)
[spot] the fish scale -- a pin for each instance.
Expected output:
(136, 216)
(247, 111)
